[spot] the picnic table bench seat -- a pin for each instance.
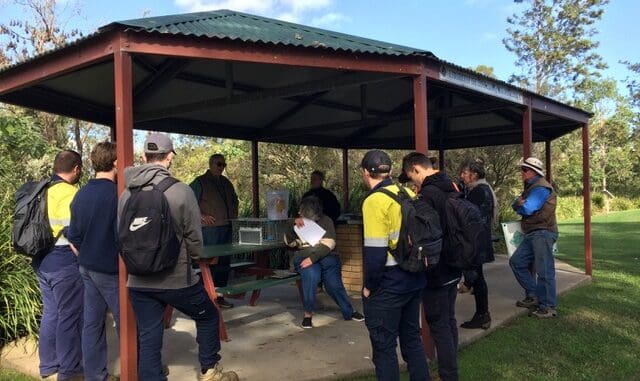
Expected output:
(258, 284)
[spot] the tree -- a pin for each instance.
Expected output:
(611, 150)
(552, 43)
(41, 29)
(486, 70)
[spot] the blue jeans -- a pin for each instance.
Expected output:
(59, 346)
(100, 294)
(537, 248)
(440, 312)
(217, 235)
(390, 316)
(149, 305)
(328, 269)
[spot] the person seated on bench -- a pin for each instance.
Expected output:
(319, 262)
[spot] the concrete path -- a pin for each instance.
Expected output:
(267, 342)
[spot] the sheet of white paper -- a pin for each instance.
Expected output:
(310, 233)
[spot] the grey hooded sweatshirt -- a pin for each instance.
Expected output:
(186, 218)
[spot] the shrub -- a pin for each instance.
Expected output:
(598, 200)
(621, 203)
(19, 294)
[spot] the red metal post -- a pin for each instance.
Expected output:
(422, 145)
(547, 160)
(421, 129)
(255, 194)
(526, 130)
(123, 80)
(345, 180)
(586, 195)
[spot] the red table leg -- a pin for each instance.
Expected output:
(429, 348)
(168, 313)
(207, 279)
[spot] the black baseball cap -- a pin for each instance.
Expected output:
(376, 161)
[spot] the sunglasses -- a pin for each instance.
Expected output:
(525, 169)
(221, 164)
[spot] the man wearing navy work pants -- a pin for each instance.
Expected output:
(92, 235)
(59, 348)
(391, 296)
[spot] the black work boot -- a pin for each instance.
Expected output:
(478, 321)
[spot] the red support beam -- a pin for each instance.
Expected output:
(123, 83)
(345, 180)
(527, 130)
(547, 154)
(420, 113)
(209, 48)
(255, 185)
(99, 48)
(586, 195)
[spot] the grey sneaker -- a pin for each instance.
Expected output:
(216, 374)
(544, 312)
(528, 302)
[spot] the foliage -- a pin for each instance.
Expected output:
(552, 42)
(39, 31)
(633, 84)
(27, 156)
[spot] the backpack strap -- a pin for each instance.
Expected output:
(166, 183)
(162, 186)
(389, 193)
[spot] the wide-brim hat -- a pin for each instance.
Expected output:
(533, 164)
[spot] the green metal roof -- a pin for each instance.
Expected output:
(232, 25)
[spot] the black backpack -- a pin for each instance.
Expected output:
(148, 240)
(31, 234)
(465, 232)
(420, 236)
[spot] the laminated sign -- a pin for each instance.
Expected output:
(513, 236)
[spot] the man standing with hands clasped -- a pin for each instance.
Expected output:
(218, 204)
(537, 206)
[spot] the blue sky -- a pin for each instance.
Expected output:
(465, 32)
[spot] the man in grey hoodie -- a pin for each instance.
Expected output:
(178, 286)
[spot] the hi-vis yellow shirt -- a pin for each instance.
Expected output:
(382, 219)
(59, 197)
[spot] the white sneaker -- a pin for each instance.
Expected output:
(216, 374)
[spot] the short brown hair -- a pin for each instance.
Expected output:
(66, 160)
(416, 159)
(156, 157)
(102, 156)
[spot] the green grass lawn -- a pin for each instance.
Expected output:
(596, 336)
(10, 375)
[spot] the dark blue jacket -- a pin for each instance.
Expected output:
(94, 226)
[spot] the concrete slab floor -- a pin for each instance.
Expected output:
(267, 342)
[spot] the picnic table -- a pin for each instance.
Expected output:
(259, 267)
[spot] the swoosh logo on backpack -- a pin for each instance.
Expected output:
(138, 222)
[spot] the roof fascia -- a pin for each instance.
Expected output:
(221, 49)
